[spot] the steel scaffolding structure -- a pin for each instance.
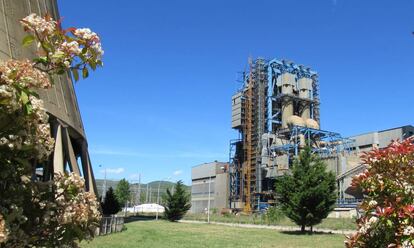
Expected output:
(276, 113)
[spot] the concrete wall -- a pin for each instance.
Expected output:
(236, 110)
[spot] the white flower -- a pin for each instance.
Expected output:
(36, 23)
(407, 244)
(372, 203)
(408, 230)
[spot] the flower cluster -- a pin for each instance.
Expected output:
(23, 73)
(42, 26)
(3, 230)
(74, 205)
(92, 40)
(389, 198)
(60, 49)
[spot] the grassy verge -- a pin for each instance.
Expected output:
(329, 223)
(166, 234)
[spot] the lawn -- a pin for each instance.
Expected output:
(328, 223)
(166, 234)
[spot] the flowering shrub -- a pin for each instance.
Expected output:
(33, 213)
(65, 213)
(388, 185)
(74, 49)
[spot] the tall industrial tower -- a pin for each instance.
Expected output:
(276, 114)
(60, 101)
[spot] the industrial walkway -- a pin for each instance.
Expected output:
(279, 228)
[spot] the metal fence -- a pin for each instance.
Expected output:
(111, 224)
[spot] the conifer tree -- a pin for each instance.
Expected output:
(177, 203)
(110, 205)
(308, 193)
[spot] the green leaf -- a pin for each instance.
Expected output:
(99, 62)
(42, 60)
(58, 55)
(85, 72)
(24, 97)
(28, 108)
(75, 74)
(47, 46)
(28, 40)
(92, 64)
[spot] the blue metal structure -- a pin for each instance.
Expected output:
(268, 101)
(324, 143)
(275, 68)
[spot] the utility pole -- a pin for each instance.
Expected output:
(139, 189)
(150, 194)
(146, 196)
(208, 205)
(104, 185)
(158, 198)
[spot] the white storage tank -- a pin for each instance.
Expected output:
(311, 123)
(295, 120)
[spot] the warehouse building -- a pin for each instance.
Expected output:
(209, 185)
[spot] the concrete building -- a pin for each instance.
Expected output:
(213, 176)
(350, 164)
(60, 101)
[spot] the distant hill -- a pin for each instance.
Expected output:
(151, 197)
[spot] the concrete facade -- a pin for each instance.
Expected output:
(350, 164)
(60, 101)
(212, 175)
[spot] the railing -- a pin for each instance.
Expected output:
(348, 202)
(111, 224)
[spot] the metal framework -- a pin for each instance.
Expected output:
(324, 143)
(264, 101)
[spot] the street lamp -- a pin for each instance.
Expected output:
(158, 195)
(208, 203)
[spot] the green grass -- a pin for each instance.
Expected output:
(160, 234)
(329, 223)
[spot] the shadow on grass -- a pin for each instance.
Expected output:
(138, 218)
(305, 233)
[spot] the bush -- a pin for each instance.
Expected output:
(41, 213)
(388, 187)
(274, 215)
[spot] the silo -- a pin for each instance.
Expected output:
(60, 101)
(305, 89)
(288, 82)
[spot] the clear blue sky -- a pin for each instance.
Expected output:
(161, 104)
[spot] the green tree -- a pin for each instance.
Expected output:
(177, 203)
(308, 193)
(110, 205)
(123, 192)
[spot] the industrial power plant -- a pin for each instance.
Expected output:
(276, 114)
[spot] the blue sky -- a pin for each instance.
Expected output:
(161, 104)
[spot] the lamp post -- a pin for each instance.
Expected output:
(208, 204)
